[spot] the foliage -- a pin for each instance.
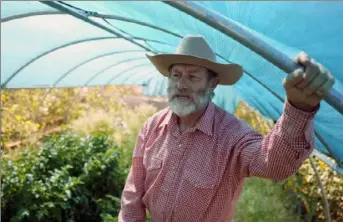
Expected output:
(253, 118)
(26, 113)
(69, 178)
(72, 176)
(263, 200)
(79, 176)
(305, 188)
(122, 125)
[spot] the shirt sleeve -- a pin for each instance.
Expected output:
(132, 207)
(279, 154)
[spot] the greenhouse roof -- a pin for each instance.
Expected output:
(97, 43)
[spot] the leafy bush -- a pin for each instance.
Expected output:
(80, 176)
(263, 200)
(28, 112)
(305, 189)
(122, 125)
(69, 178)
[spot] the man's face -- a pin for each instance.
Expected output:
(189, 89)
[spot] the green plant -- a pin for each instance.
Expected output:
(26, 113)
(263, 200)
(305, 189)
(69, 178)
(123, 125)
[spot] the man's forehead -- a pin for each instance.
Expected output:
(188, 68)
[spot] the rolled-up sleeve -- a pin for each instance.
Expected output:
(279, 154)
(132, 207)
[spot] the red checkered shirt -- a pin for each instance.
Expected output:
(198, 175)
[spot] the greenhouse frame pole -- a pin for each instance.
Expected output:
(81, 15)
(114, 17)
(90, 60)
(322, 191)
(80, 64)
(4, 85)
(247, 38)
(108, 82)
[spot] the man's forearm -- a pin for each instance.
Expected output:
(132, 207)
(279, 154)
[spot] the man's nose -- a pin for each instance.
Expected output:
(182, 83)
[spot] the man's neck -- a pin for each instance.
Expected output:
(190, 120)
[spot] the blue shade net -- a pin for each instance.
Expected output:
(43, 47)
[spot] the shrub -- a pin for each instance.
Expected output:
(305, 189)
(28, 112)
(68, 178)
(263, 200)
(123, 125)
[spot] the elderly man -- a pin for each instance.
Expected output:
(191, 159)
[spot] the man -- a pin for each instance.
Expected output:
(191, 159)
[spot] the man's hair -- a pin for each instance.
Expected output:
(211, 76)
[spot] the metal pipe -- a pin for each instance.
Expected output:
(247, 38)
(111, 66)
(77, 66)
(28, 14)
(329, 161)
(77, 94)
(90, 60)
(322, 190)
(84, 17)
(129, 69)
(4, 85)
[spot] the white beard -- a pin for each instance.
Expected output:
(183, 107)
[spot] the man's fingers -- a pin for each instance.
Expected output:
(315, 84)
(312, 71)
(324, 88)
(293, 79)
(303, 59)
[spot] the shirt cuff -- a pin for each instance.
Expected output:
(297, 122)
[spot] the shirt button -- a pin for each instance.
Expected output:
(180, 145)
(165, 189)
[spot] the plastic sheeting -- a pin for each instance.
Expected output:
(42, 47)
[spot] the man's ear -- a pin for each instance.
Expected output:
(215, 83)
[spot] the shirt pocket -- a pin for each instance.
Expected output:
(155, 164)
(153, 171)
(202, 176)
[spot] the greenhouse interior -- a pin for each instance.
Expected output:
(76, 73)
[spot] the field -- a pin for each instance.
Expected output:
(66, 155)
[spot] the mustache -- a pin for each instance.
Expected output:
(173, 94)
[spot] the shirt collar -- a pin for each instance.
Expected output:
(205, 124)
(167, 118)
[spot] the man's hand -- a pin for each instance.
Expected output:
(306, 89)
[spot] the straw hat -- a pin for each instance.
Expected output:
(194, 50)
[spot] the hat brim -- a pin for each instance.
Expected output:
(228, 74)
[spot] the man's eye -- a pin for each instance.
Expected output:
(194, 77)
(176, 75)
